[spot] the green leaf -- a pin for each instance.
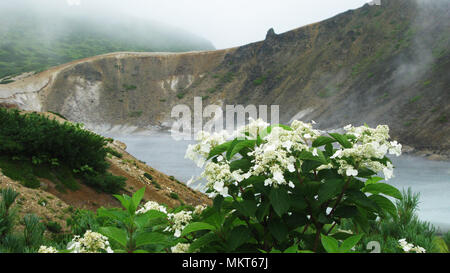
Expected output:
(124, 200)
(305, 155)
(345, 212)
(330, 244)
(330, 189)
(360, 199)
(384, 189)
(280, 200)
(143, 219)
(217, 202)
(150, 238)
(241, 145)
(246, 207)
(349, 243)
(116, 234)
(140, 251)
(342, 140)
(137, 197)
(278, 229)
(218, 150)
(238, 237)
(385, 204)
(322, 140)
(241, 164)
(196, 226)
(373, 180)
(206, 239)
(309, 165)
(231, 147)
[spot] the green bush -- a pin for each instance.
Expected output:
(104, 182)
(114, 152)
(174, 196)
(53, 227)
(82, 221)
(57, 152)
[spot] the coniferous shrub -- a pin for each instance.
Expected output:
(43, 141)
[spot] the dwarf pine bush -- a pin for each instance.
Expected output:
(44, 142)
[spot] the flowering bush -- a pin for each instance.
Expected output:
(91, 242)
(408, 248)
(278, 187)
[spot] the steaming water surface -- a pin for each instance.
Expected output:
(430, 178)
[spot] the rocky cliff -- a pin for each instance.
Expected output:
(383, 64)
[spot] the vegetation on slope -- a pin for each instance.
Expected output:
(34, 146)
(34, 42)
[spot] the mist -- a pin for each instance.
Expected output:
(224, 23)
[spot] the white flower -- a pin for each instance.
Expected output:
(91, 242)
(180, 248)
(291, 184)
(199, 209)
(47, 249)
(278, 176)
(179, 221)
(314, 152)
(408, 247)
(151, 205)
(351, 172)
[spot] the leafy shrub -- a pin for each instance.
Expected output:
(66, 149)
(129, 87)
(53, 227)
(33, 231)
(174, 196)
(148, 176)
(82, 221)
(106, 182)
(33, 135)
(113, 152)
(281, 187)
(8, 196)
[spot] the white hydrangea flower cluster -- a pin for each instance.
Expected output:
(219, 176)
(180, 248)
(408, 247)
(206, 142)
(179, 221)
(151, 205)
(274, 157)
(252, 129)
(199, 209)
(47, 249)
(91, 242)
(369, 143)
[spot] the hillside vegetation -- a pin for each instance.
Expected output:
(34, 42)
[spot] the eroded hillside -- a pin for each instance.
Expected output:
(378, 64)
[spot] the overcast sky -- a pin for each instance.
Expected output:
(226, 23)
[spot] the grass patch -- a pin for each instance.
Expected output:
(259, 81)
(148, 176)
(6, 81)
(27, 174)
(181, 95)
(53, 227)
(415, 99)
(135, 114)
(174, 196)
(129, 87)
